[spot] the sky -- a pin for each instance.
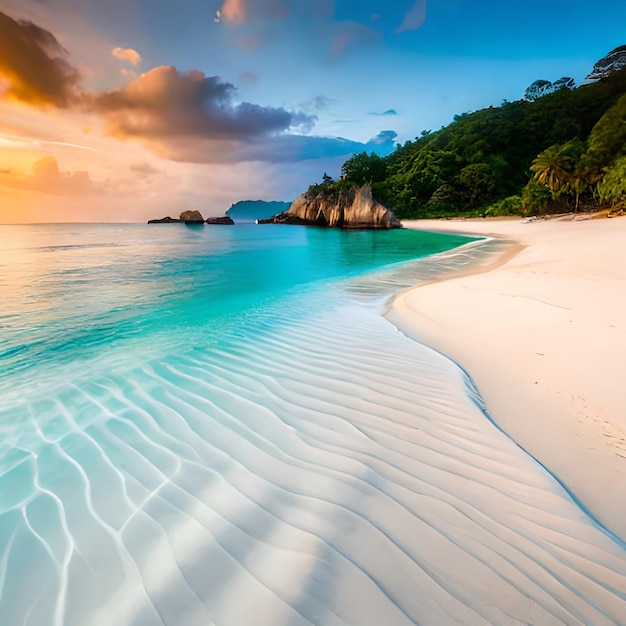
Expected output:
(126, 110)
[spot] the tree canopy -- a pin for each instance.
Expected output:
(563, 151)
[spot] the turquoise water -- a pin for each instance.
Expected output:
(70, 291)
(216, 426)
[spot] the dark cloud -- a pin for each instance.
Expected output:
(33, 65)
(181, 116)
(387, 112)
(384, 142)
(163, 104)
(285, 148)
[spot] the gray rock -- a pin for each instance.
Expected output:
(542, 88)
(220, 220)
(354, 208)
(612, 62)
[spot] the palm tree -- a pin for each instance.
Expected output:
(555, 169)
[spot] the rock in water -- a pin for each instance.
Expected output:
(219, 220)
(164, 220)
(191, 217)
(353, 208)
(614, 61)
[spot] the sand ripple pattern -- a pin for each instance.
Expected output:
(322, 470)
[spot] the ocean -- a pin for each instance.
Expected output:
(217, 426)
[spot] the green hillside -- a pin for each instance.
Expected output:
(565, 151)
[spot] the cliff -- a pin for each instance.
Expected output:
(353, 208)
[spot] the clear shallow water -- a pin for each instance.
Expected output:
(70, 291)
(215, 426)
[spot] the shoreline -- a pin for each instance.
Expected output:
(541, 332)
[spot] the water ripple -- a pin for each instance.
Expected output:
(324, 471)
(299, 467)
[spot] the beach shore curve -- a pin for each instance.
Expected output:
(542, 332)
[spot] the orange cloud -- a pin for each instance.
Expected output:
(235, 10)
(164, 107)
(130, 55)
(33, 66)
(45, 177)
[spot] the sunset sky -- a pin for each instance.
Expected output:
(123, 110)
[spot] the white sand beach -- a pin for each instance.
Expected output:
(543, 335)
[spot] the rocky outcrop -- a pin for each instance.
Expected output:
(220, 220)
(542, 88)
(353, 208)
(164, 220)
(612, 62)
(191, 217)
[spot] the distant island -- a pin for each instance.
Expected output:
(245, 211)
(253, 210)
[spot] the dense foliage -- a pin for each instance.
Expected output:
(565, 151)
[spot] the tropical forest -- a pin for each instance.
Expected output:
(563, 152)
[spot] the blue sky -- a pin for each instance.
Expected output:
(163, 105)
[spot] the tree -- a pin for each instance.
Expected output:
(612, 188)
(326, 187)
(607, 140)
(475, 185)
(535, 198)
(556, 168)
(364, 169)
(551, 169)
